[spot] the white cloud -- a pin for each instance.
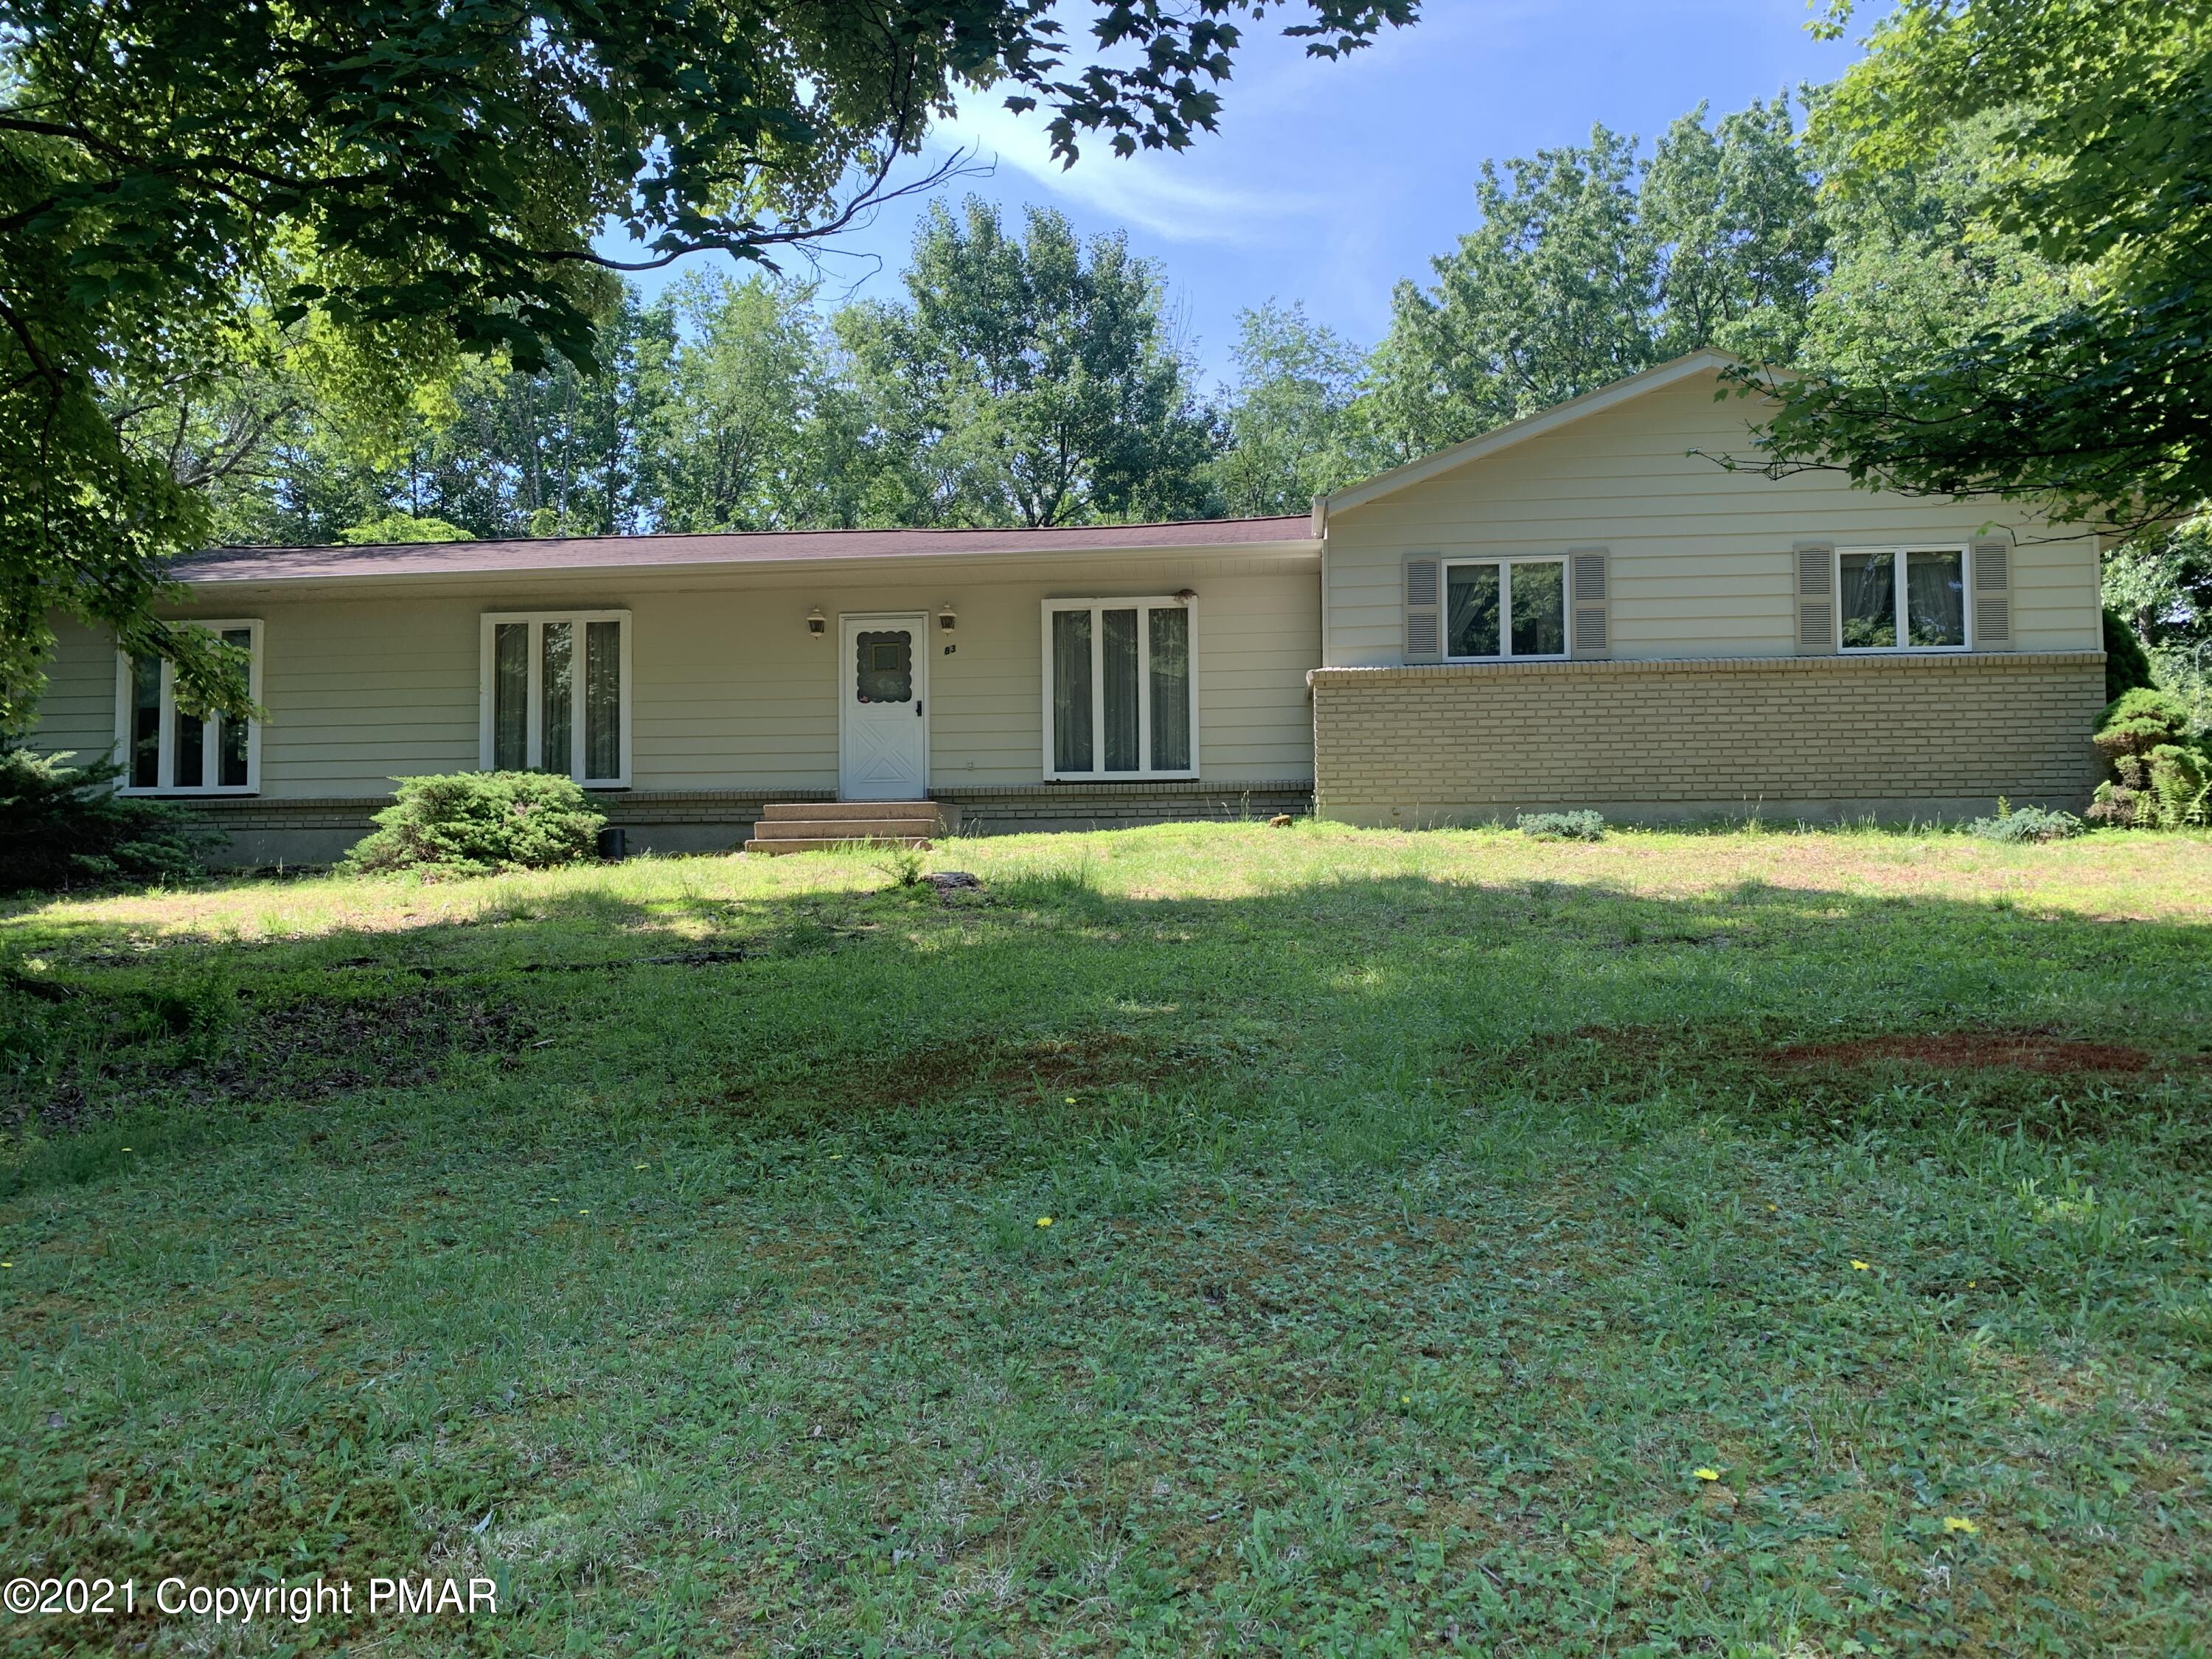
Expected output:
(1152, 191)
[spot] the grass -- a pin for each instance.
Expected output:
(1426, 1212)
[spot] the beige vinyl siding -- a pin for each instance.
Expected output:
(1700, 557)
(77, 713)
(729, 689)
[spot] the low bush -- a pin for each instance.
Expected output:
(1561, 826)
(2029, 824)
(468, 823)
(2135, 722)
(2159, 773)
(64, 826)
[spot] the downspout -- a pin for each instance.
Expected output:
(1313, 696)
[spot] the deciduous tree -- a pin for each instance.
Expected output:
(1028, 380)
(2091, 121)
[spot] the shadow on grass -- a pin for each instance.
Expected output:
(1043, 1011)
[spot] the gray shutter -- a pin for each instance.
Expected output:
(1992, 561)
(1816, 598)
(1587, 576)
(1425, 612)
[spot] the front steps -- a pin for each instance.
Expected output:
(814, 826)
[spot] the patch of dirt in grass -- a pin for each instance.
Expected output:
(2017, 1051)
(1088, 1061)
(290, 1053)
(2051, 1085)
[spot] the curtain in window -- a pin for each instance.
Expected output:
(1870, 593)
(1473, 601)
(1540, 610)
(230, 761)
(1935, 597)
(1170, 671)
(510, 696)
(1071, 690)
(188, 764)
(145, 722)
(556, 693)
(1118, 647)
(603, 700)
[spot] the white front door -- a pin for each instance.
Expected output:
(883, 723)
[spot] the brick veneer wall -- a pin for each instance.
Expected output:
(1810, 737)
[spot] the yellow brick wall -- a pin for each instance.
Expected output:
(1819, 737)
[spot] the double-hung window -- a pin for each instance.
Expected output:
(556, 695)
(1504, 608)
(1901, 598)
(1120, 696)
(168, 749)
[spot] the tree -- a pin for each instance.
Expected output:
(1734, 222)
(1912, 272)
(493, 452)
(1549, 296)
(2094, 120)
(745, 436)
(392, 185)
(1587, 266)
(1028, 381)
(1294, 426)
(2162, 587)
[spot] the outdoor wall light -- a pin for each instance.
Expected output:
(946, 618)
(816, 623)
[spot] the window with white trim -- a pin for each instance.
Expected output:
(169, 750)
(1504, 608)
(556, 695)
(1121, 696)
(1925, 587)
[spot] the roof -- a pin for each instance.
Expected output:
(1710, 360)
(581, 553)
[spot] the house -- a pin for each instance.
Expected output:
(1582, 609)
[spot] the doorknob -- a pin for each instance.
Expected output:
(917, 708)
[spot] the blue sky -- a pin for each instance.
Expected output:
(1329, 182)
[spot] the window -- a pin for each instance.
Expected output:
(1506, 608)
(1924, 587)
(556, 696)
(168, 750)
(1119, 700)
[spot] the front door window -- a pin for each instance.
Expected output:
(883, 670)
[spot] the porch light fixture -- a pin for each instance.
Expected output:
(946, 620)
(1185, 595)
(816, 623)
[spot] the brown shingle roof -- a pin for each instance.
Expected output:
(239, 564)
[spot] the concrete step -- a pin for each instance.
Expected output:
(772, 846)
(843, 829)
(816, 811)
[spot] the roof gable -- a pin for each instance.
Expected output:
(1707, 360)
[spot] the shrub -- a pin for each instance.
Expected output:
(2135, 722)
(2178, 775)
(2158, 776)
(64, 826)
(475, 822)
(2028, 824)
(2127, 665)
(1561, 826)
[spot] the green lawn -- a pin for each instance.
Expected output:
(666, 1242)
